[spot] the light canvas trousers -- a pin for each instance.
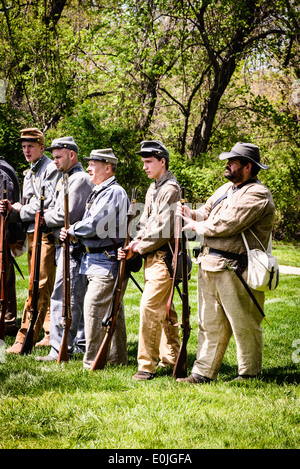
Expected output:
(158, 339)
(225, 309)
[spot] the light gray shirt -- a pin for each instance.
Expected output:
(42, 173)
(104, 223)
(80, 188)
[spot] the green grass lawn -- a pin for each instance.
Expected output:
(46, 405)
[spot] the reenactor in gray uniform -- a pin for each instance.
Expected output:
(65, 156)
(42, 172)
(100, 232)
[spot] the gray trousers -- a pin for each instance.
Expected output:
(78, 288)
(97, 300)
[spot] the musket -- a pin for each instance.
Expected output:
(248, 289)
(3, 266)
(110, 318)
(34, 277)
(173, 272)
(180, 368)
(135, 282)
(63, 355)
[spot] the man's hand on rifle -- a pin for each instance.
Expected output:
(42, 221)
(64, 233)
(127, 252)
(17, 246)
(184, 212)
(5, 206)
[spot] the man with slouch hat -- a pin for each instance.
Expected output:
(158, 339)
(42, 172)
(224, 306)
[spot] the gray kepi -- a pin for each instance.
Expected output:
(63, 142)
(106, 156)
(154, 147)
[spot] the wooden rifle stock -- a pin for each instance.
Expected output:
(34, 277)
(101, 357)
(180, 368)
(3, 266)
(63, 355)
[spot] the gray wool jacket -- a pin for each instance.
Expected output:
(80, 188)
(42, 173)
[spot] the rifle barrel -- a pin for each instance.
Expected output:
(180, 368)
(63, 354)
(34, 278)
(3, 268)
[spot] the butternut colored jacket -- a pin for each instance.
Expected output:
(156, 225)
(249, 207)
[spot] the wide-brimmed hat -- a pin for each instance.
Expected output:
(246, 151)
(105, 155)
(32, 134)
(63, 142)
(155, 147)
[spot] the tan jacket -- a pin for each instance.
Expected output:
(251, 206)
(156, 225)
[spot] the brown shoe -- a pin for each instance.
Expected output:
(245, 377)
(194, 379)
(45, 342)
(16, 348)
(143, 376)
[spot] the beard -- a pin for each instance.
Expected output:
(234, 176)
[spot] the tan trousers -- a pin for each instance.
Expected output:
(46, 283)
(225, 309)
(158, 339)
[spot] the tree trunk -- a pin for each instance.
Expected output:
(203, 130)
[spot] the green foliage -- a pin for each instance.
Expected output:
(92, 129)
(200, 178)
(62, 406)
(282, 179)
(10, 125)
(114, 74)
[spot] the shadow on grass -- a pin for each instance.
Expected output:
(282, 375)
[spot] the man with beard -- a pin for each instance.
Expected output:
(224, 306)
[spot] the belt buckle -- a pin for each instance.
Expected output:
(205, 250)
(87, 249)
